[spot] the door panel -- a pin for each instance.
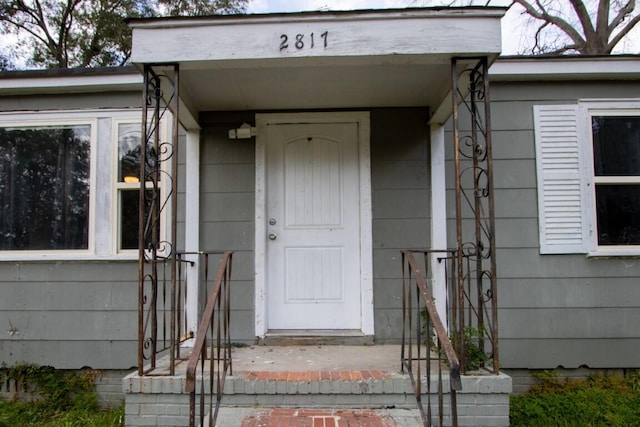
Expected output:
(313, 240)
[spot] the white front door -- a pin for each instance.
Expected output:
(312, 226)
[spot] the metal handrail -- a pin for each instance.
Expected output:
(214, 331)
(161, 326)
(423, 338)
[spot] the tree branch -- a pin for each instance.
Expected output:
(622, 15)
(27, 29)
(616, 39)
(583, 16)
(602, 19)
(543, 15)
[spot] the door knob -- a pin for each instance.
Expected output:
(273, 236)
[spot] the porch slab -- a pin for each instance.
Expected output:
(317, 358)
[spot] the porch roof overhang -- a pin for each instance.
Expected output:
(358, 59)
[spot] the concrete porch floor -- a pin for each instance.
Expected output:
(316, 358)
(265, 358)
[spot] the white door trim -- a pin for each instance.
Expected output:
(366, 238)
(191, 226)
(438, 219)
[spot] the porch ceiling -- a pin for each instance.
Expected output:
(360, 59)
(311, 84)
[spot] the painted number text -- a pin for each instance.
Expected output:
(304, 41)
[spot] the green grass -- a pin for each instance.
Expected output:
(60, 399)
(600, 400)
(36, 414)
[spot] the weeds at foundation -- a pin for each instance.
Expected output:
(44, 396)
(474, 356)
(600, 400)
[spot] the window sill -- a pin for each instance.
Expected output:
(630, 252)
(54, 257)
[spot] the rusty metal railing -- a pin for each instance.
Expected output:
(210, 359)
(476, 292)
(164, 327)
(426, 345)
(158, 262)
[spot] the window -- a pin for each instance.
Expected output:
(128, 184)
(616, 167)
(129, 139)
(69, 184)
(45, 175)
(588, 167)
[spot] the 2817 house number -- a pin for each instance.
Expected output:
(302, 41)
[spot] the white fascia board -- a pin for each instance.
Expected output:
(281, 37)
(327, 16)
(70, 84)
(611, 67)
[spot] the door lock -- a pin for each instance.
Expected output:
(273, 236)
(273, 221)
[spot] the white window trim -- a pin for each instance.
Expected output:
(100, 247)
(76, 120)
(583, 233)
(118, 186)
(588, 109)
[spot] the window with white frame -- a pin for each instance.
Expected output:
(45, 185)
(616, 177)
(128, 183)
(70, 184)
(588, 167)
(129, 144)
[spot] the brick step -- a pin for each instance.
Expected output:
(353, 389)
(325, 417)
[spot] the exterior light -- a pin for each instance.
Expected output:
(245, 131)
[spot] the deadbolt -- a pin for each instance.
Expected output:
(273, 221)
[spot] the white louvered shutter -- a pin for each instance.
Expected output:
(561, 191)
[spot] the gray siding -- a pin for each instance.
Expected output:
(71, 102)
(227, 210)
(555, 310)
(400, 203)
(399, 168)
(69, 314)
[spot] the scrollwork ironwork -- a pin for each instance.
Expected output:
(475, 222)
(157, 258)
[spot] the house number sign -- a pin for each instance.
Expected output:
(304, 41)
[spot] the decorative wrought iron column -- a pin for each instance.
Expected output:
(475, 320)
(158, 305)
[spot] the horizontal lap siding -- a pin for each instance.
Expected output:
(400, 203)
(69, 314)
(227, 210)
(71, 102)
(555, 310)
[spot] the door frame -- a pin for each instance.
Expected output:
(361, 118)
